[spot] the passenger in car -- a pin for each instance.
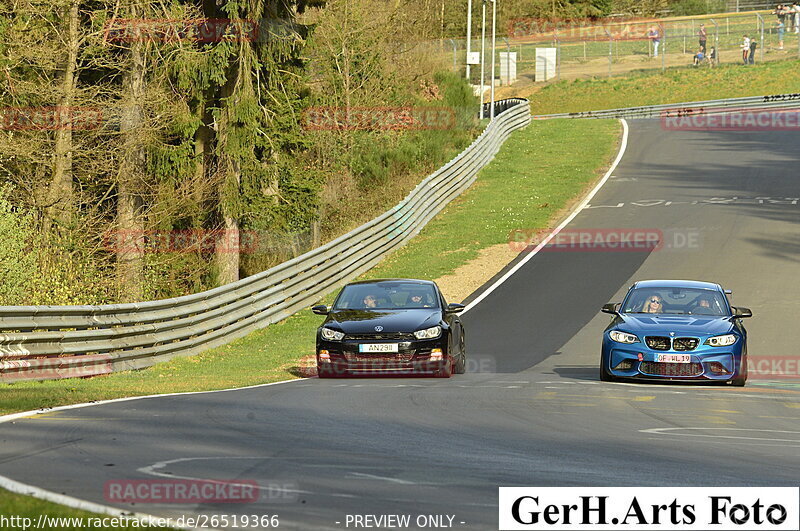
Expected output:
(653, 304)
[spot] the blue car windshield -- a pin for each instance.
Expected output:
(392, 295)
(676, 301)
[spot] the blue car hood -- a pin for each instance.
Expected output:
(697, 325)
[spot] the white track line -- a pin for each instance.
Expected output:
(23, 414)
(75, 503)
(564, 223)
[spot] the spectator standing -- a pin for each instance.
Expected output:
(781, 27)
(780, 12)
(745, 48)
(753, 44)
(796, 15)
(654, 36)
(702, 37)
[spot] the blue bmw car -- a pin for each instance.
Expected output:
(675, 330)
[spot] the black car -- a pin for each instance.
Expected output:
(392, 326)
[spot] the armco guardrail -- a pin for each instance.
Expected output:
(777, 101)
(45, 342)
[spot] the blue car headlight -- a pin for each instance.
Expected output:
(623, 337)
(721, 341)
(331, 335)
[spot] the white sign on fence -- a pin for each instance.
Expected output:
(508, 67)
(545, 63)
(474, 58)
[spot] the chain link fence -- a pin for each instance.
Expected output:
(535, 51)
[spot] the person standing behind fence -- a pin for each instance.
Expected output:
(753, 44)
(795, 14)
(702, 35)
(780, 12)
(745, 48)
(654, 36)
(781, 27)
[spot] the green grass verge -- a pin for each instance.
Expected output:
(26, 511)
(674, 86)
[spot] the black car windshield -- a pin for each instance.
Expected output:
(387, 296)
(676, 301)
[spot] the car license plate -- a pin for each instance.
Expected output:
(674, 358)
(378, 347)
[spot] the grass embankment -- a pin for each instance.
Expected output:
(536, 174)
(26, 512)
(673, 86)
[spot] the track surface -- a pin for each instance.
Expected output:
(531, 412)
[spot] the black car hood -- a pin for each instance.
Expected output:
(365, 321)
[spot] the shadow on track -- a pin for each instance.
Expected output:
(537, 310)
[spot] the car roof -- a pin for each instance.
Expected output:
(696, 284)
(379, 280)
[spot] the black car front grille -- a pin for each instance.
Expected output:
(671, 369)
(681, 344)
(385, 336)
(685, 343)
(364, 357)
(657, 342)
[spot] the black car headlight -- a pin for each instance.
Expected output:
(428, 333)
(623, 337)
(721, 341)
(331, 335)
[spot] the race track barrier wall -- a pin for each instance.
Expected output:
(694, 108)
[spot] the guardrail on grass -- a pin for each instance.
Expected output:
(47, 342)
(694, 108)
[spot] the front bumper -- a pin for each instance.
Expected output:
(637, 361)
(412, 357)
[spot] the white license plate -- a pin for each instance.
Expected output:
(674, 358)
(378, 347)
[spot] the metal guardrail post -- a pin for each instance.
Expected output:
(558, 55)
(716, 41)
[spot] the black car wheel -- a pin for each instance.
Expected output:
(605, 376)
(740, 380)
(461, 364)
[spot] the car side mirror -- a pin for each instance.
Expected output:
(320, 309)
(611, 307)
(742, 312)
(454, 307)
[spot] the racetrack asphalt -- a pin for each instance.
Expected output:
(531, 411)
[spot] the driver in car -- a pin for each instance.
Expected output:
(703, 306)
(417, 300)
(370, 301)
